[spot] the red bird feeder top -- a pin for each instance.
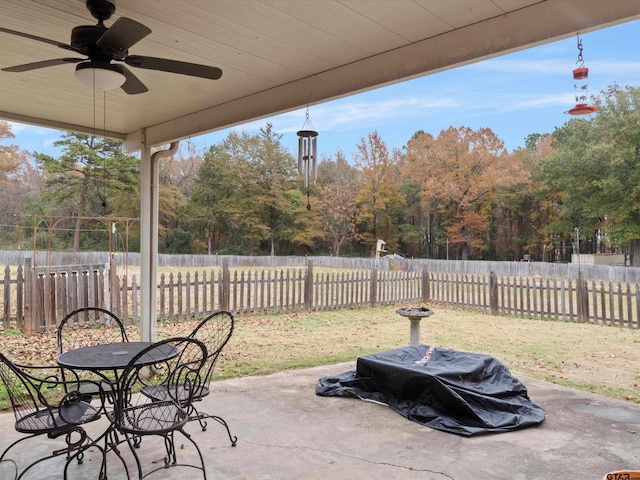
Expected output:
(580, 73)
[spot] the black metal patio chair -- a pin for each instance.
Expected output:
(172, 366)
(214, 331)
(43, 404)
(88, 326)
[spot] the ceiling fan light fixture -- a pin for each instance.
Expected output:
(101, 76)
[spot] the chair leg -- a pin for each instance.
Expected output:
(15, 466)
(73, 446)
(171, 460)
(80, 454)
(170, 446)
(202, 467)
(77, 446)
(111, 442)
(132, 446)
(40, 460)
(200, 417)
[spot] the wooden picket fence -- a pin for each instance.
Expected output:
(37, 299)
(277, 291)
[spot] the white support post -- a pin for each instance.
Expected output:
(149, 177)
(149, 188)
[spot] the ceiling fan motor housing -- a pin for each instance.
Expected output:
(84, 38)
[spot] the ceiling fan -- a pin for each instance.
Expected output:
(103, 45)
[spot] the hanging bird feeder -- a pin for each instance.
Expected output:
(580, 86)
(307, 154)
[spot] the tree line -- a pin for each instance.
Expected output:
(458, 194)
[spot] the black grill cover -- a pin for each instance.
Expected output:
(458, 392)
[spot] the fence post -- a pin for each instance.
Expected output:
(6, 314)
(493, 293)
(20, 299)
(582, 297)
(29, 296)
(124, 296)
(308, 287)
(374, 287)
(426, 293)
(226, 285)
(134, 300)
(112, 286)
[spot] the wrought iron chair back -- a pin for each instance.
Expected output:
(214, 331)
(174, 368)
(86, 327)
(43, 404)
(89, 326)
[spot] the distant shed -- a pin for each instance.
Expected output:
(598, 258)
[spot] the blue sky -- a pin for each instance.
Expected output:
(514, 95)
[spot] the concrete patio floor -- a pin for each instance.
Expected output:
(286, 432)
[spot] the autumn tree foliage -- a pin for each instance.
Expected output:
(457, 195)
(18, 183)
(378, 199)
(11, 157)
(461, 173)
(337, 191)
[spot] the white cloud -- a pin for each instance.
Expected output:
(34, 139)
(557, 66)
(23, 128)
(362, 112)
(356, 112)
(612, 68)
(523, 66)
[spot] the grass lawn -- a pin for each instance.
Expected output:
(594, 358)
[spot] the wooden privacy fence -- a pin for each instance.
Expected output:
(36, 300)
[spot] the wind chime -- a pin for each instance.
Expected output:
(307, 155)
(580, 86)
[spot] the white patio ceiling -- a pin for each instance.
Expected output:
(276, 55)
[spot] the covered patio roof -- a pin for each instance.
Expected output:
(275, 55)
